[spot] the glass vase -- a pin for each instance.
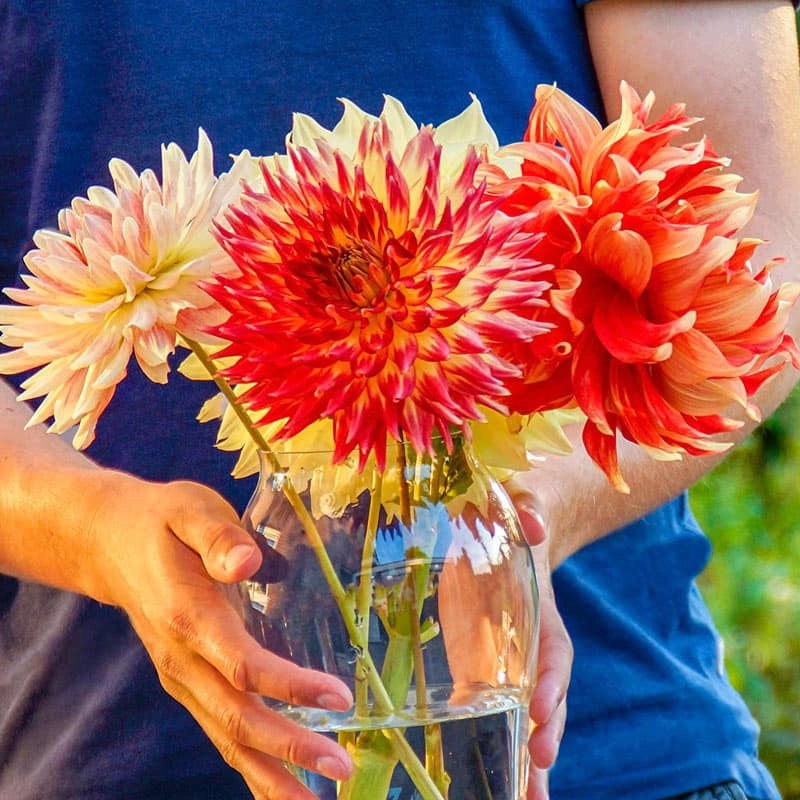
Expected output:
(414, 585)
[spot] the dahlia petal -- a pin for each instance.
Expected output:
(557, 117)
(676, 283)
(50, 378)
(403, 128)
(602, 449)
(398, 384)
(695, 358)
(631, 338)
(542, 162)
(115, 367)
(470, 127)
(726, 308)
(622, 254)
(349, 127)
(368, 364)
(589, 377)
(101, 346)
(641, 411)
(497, 446)
(700, 400)
(466, 339)
(154, 345)
(123, 175)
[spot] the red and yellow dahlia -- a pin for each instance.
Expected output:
(657, 322)
(371, 283)
(119, 278)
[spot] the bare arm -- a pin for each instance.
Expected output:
(66, 522)
(736, 64)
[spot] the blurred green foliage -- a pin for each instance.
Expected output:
(750, 508)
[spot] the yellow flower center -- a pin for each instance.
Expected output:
(358, 276)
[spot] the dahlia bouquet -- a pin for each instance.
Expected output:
(390, 293)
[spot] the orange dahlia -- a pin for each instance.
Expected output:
(657, 321)
(371, 281)
(119, 278)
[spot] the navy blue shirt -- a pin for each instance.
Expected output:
(82, 716)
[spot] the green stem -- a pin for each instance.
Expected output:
(374, 762)
(227, 392)
(434, 749)
(364, 596)
(436, 478)
(434, 758)
(413, 766)
(405, 500)
(420, 682)
(368, 553)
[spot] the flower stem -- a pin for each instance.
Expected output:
(413, 765)
(364, 596)
(405, 500)
(255, 434)
(420, 682)
(434, 758)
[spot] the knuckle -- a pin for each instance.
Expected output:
(293, 752)
(233, 724)
(236, 672)
(173, 688)
(168, 666)
(569, 649)
(295, 688)
(231, 752)
(181, 625)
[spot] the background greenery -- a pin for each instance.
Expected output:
(750, 508)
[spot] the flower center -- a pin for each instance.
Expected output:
(357, 276)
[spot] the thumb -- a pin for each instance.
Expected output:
(207, 524)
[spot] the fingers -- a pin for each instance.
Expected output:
(532, 523)
(255, 740)
(555, 664)
(207, 626)
(548, 706)
(188, 543)
(207, 662)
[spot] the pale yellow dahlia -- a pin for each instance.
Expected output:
(119, 278)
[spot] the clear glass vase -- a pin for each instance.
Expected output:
(415, 586)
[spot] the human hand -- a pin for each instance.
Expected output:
(163, 551)
(548, 706)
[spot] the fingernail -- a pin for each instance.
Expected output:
(332, 767)
(237, 556)
(334, 701)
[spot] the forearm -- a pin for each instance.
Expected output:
(737, 65)
(46, 498)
